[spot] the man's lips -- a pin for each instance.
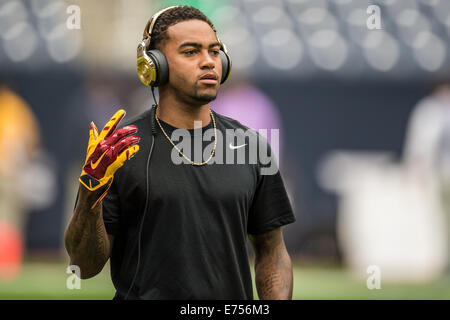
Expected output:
(209, 78)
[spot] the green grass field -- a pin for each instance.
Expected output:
(44, 281)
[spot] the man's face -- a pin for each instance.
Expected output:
(193, 54)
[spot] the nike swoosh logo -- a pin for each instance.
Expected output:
(236, 147)
(94, 165)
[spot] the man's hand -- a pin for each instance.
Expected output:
(107, 152)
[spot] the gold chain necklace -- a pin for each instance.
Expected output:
(181, 153)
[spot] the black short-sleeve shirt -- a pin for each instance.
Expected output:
(193, 243)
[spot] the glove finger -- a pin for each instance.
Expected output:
(111, 162)
(124, 156)
(93, 135)
(111, 125)
(120, 133)
(125, 143)
(93, 132)
(127, 154)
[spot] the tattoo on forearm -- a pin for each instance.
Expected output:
(86, 238)
(273, 268)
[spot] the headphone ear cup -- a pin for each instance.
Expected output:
(161, 66)
(226, 66)
(146, 68)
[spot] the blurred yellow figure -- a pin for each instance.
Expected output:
(19, 139)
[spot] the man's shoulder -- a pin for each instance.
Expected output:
(230, 123)
(233, 124)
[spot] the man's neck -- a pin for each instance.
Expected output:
(182, 115)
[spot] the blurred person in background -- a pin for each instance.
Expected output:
(427, 146)
(19, 143)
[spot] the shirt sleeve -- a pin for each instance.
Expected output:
(111, 210)
(271, 207)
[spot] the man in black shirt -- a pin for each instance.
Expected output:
(174, 222)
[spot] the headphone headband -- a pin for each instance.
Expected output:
(147, 35)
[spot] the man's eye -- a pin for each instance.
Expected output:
(216, 52)
(189, 53)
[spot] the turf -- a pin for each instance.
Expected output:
(42, 281)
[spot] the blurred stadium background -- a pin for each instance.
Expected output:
(363, 117)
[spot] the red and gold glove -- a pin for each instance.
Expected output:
(107, 152)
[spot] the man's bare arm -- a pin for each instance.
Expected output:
(273, 267)
(86, 240)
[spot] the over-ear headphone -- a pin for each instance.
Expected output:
(152, 66)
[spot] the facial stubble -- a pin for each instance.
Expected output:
(203, 97)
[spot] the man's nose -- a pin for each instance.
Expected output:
(207, 62)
